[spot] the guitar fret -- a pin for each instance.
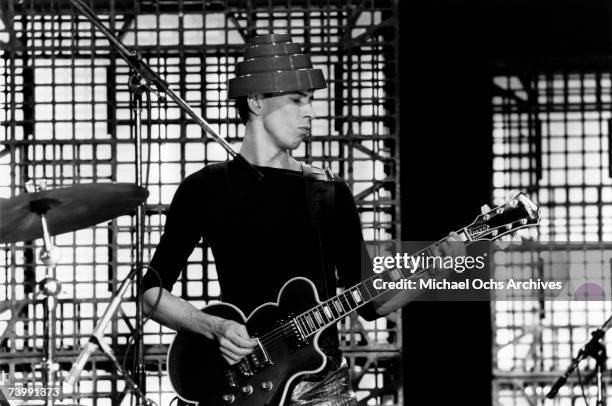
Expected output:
(338, 306)
(363, 292)
(319, 313)
(345, 305)
(307, 327)
(356, 295)
(310, 323)
(386, 276)
(304, 325)
(313, 316)
(396, 274)
(324, 315)
(318, 317)
(333, 309)
(328, 311)
(298, 321)
(351, 303)
(366, 288)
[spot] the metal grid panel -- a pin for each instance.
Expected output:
(66, 116)
(551, 139)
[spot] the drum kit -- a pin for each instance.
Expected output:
(43, 213)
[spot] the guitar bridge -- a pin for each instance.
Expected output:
(254, 362)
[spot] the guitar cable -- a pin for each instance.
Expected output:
(134, 336)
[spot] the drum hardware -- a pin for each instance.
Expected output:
(43, 213)
(96, 341)
(144, 79)
(49, 287)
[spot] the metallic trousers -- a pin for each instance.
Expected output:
(333, 390)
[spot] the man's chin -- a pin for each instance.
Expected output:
(295, 145)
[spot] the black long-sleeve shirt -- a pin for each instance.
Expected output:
(260, 234)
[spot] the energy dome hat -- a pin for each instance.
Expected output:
(274, 64)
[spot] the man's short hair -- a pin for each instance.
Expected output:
(243, 108)
(242, 105)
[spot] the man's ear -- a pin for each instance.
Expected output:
(255, 104)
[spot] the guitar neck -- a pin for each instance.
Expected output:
(515, 214)
(337, 307)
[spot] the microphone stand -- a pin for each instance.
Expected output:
(152, 78)
(594, 348)
(144, 77)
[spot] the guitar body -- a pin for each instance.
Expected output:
(199, 374)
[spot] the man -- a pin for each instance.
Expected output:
(261, 232)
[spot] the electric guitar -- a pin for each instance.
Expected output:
(287, 331)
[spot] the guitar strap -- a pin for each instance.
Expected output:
(320, 201)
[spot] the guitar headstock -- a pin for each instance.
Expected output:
(519, 212)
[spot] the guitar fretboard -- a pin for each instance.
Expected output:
(334, 309)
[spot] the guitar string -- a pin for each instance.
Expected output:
(279, 332)
(271, 338)
(273, 334)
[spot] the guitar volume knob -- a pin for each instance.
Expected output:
(247, 389)
(231, 378)
(266, 386)
(229, 398)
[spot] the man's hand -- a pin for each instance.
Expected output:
(234, 340)
(453, 246)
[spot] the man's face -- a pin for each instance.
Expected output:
(287, 118)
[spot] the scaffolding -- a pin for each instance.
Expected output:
(551, 129)
(65, 116)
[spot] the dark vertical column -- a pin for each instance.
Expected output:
(446, 169)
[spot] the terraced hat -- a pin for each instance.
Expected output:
(274, 64)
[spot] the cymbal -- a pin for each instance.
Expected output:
(66, 209)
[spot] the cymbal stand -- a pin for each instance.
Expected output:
(137, 86)
(50, 288)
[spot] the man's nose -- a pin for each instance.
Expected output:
(309, 111)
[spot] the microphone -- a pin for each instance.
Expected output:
(79, 365)
(555, 388)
